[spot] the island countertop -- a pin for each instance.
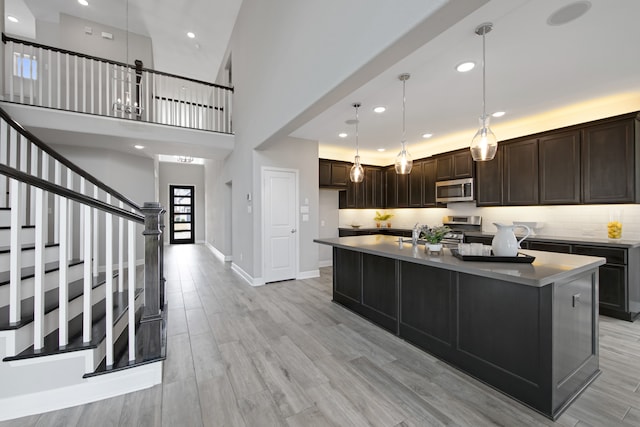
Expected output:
(548, 267)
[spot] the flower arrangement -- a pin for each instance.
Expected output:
(434, 235)
(382, 217)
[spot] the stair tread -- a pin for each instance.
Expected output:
(51, 297)
(26, 247)
(29, 272)
(76, 343)
(151, 346)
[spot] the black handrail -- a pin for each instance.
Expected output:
(69, 194)
(6, 39)
(53, 153)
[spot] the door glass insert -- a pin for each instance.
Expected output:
(181, 227)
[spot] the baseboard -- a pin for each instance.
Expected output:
(90, 390)
(308, 274)
(222, 257)
(253, 281)
(326, 263)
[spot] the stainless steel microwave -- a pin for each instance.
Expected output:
(456, 190)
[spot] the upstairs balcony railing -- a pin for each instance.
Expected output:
(49, 77)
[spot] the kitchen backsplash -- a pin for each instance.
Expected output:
(580, 220)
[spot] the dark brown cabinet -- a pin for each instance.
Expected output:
(608, 163)
(429, 183)
(415, 185)
(373, 188)
(402, 190)
(333, 173)
(614, 281)
(520, 173)
(391, 198)
(454, 165)
(559, 157)
(489, 181)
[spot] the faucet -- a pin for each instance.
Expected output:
(415, 234)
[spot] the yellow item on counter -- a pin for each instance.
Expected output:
(614, 229)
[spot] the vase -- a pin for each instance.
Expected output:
(388, 225)
(378, 224)
(433, 248)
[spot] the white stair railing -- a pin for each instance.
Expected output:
(30, 166)
(55, 78)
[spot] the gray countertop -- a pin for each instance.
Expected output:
(548, 267)
(589, 240)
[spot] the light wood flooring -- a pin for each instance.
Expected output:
(284, 354)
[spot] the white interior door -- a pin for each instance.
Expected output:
(280, 224)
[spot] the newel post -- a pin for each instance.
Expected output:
(153, 281)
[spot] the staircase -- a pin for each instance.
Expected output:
(78, 323)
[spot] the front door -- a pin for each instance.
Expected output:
(181, 214)
(280, 224)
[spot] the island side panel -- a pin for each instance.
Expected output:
(575, 341)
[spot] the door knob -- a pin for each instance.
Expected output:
(293, 230)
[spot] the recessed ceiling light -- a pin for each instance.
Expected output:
(568, 13)
(427, 135)
(465, 66)
(12, 18)
(380, 109)
(343, 135)
(191, 35)
(498, 114)
(138, 147)
(83, 2)
(382, 149)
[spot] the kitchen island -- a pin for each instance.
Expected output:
(528, 330)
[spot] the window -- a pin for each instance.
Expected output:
(25, 66)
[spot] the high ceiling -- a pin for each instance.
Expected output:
(166, 22)
(532, 68)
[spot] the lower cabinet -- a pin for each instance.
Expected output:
(368, 287)
(619, 278)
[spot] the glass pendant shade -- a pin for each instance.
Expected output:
(484, 143)
(404, 162)
(357, 172)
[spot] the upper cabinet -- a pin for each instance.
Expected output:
(559, 161)
(489, 180)
(592, 163)
(333, 173)
(609, 169)
(458, 164)
(520, 173)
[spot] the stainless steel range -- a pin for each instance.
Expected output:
(459, 224)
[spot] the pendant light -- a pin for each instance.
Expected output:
(404, 163)
(484, 143)
(357, 172)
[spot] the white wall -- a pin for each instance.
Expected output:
(329, 221)
(218, 209)
(284, 70)
(132, 176)
(302, 155)
(184, 174)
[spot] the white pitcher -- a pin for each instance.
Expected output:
(504, 243)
